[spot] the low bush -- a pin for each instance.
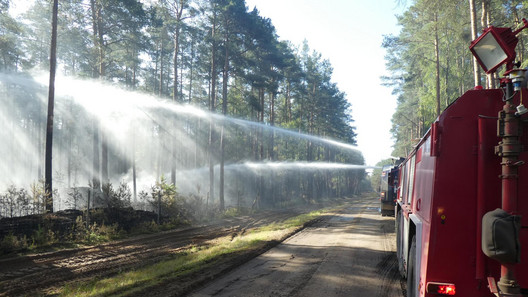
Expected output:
(43, 236)
(12, 243)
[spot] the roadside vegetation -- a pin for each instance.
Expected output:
(193, 259)
(116, 219)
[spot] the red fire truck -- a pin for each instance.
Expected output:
(462, 209)
(447, 184)
(388, 187)
(389, 178)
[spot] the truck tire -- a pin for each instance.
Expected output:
(399, 254)
(411, 277)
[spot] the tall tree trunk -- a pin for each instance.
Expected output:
(446, 82)
(309, 156)
(95, 125)
(262, 191)
(41, 141)
(51, 103)
(160, 90)
(96, 182)
(261, 120)
(288, 101)
(134, 174)
(98, 36)
(191, 69)
(473, 14)
(175, 99)
(517, 20)
(272, 181)
(102, 73)
(437, 60)
(104, 158)
(484, 22)
(225, 79)
(191, 77)
(160, 153)
(272, 123)
(70, 144)
(178, 10)
(212, 107)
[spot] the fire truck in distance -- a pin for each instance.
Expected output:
(388, 187)
(462, 201)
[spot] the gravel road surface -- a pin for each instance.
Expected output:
(348, 253)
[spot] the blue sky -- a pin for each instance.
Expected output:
(349, 34)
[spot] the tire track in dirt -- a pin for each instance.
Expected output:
(388, 266)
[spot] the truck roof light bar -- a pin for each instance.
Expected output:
(441, 289)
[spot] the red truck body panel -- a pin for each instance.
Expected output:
(456, 181)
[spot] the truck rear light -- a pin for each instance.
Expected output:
(441, 289)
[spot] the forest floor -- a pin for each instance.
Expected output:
(47, 273)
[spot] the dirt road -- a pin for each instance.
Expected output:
(350, 253)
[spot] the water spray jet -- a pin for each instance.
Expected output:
(139, 127)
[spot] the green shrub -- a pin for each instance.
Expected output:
(80, 230)
(43, 236)
(11, 243)
(147, 227)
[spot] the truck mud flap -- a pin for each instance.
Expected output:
(500, 236)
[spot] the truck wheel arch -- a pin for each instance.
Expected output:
(415, 234)
(411, 272)
(400, 247)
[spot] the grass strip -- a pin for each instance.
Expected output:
(189, 261)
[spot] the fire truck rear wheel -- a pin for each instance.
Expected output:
(410, 270)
